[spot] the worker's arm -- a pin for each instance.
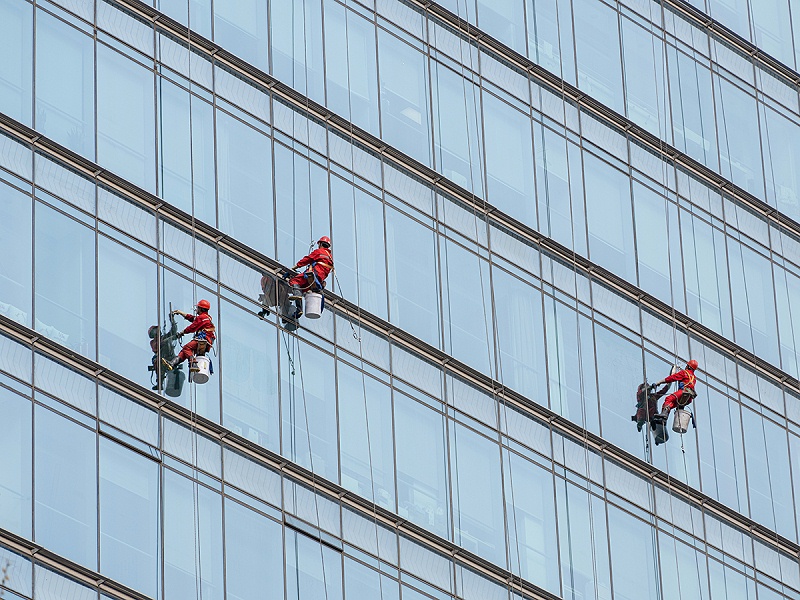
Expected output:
(679, 376)
(306, 260)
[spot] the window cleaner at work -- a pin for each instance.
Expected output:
(318, 265)
(204, 334)
(684, 394)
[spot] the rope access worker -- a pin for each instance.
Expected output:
(684, 394)
(204, 334)
(318, 265)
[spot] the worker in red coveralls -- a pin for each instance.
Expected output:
(318, 265)
(684, 394)
(204, 333)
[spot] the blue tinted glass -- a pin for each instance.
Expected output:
(120, 339)
(125, 118)
(15, 477)
(404, 97)
(754, 313)
(366, 467)
(16, 246)
(253, 557)
(129, 523)
(359, 247)
(244, 173)
(301, 193)
(308, 400)
(456, 113)
(645, 85)
(733, 13)
(608, 214)
(65, 84)
(181, 10)
(781, 152)
(520, 336)
(467, 307)
(362, 582)
(683, 569)
(413, 292)
(176, 156)
(583, 546)
(351, 67)
(421, 466)
(51, 585)
(250, 379)
(241, 28)
(65, 487)
(192, 524)
(652, 240)
(65, 287)
(509, 160)
(692, 108)
(478, 512)
(550, 37)
(619, 367)
(737, 127)
(505, 20)
(16, 31)
(295, 36)
(531, 518)
(313, 571)
(597, 41)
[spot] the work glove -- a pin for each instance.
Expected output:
(286, 274)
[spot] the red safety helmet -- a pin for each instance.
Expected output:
(324, 241)
(692, 364)
(204, 304)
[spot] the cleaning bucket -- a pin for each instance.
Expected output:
(680, 423)
(203, 364)
(313, 303)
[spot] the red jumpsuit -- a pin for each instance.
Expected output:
(324, 263)
(199, 322)
(686, 380)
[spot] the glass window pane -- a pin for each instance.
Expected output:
(520, 335)
(15, 358)
(477, 495)
(509, 160)
(422, 473)
(192, 523)
(66, 487)
(351, 67)
(361, 582)
(597, 42)
(178, 110)
(609, 217)
(531, 518)
(65, 383)
(65, 281)
(366, 467)
(16, 247)
(241, 28)
(505, 20)
(50, 585)
(253, 557)
(15, 477)
(120, 339)
(313, 571)
(457, 106)
(404, 97)
(413, 292)
(308, 399)
(65, 84)
(16, 31)
(125, 118)
(250, 406)
(296, 36)
(129, 510)
(360, 249)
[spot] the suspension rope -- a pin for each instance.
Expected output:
(193, 405)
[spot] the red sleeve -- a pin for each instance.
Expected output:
(196, 324)
(679, 376)
(306, 260)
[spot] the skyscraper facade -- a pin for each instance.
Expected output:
(535, 207)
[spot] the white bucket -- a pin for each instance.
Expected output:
(680, 423)
(203, 364)
(313, 303)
